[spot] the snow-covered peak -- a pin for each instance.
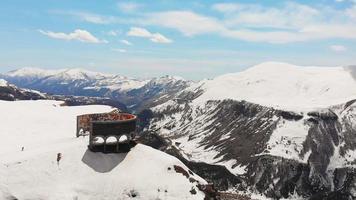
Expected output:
(3, 83)
(282, 85)
(32, 72)
(167, 79)
(272, 67)
(77, 73)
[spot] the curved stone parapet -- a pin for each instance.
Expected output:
(108, 132)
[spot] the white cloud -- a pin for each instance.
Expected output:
(139, 32)
(126, 42)
(338, 48)
(290, 16)
(187, 22)
(351, 1)
(78, 34)
(93, 18)
(119, 50)
(351, 12)
(154, 37)
(284, 23)
(228, 7)
(290, 22)
(159, 38)
(128, 6)
(113, 33)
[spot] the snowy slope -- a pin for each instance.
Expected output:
(45, 128)
(282, 85)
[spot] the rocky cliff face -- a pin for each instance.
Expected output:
(274, 152)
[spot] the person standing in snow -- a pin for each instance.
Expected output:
(59, 157)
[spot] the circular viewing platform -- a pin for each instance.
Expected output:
(108, 132)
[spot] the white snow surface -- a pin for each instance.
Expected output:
(287, 140)
(44, 128)
(3, 83)
(283, 85)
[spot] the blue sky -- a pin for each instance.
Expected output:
(192, 39)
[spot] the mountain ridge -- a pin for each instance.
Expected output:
(286, 86)
(135, 93)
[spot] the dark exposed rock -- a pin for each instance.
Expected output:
(291, 115)
(324, 115)
(144, 118)
(217, 174)
(278, 177)
(239, 130)
(180, 170)
(193, 191)
(81, 100)
(12, 93)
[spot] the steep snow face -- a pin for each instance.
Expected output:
(287, 140)
(282, 86)
(44, 128)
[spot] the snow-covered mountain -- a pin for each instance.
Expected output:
(281, 130)
(135, 93)
(11, 92)
(45, 128)
(284, 130)
(74, 80)
(282, 85)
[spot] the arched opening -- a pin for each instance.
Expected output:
(111, 140)
(98, 140)
(123, 139)
(81, 132)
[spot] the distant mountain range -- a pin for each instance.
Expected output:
(10, 92)
(136, 94)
